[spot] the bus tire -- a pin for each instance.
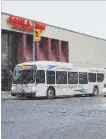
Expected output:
(51, 93)
(95, 91)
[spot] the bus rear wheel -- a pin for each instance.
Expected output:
(95, 91)
(50, 93)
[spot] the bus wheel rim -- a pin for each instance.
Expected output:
(50, 92)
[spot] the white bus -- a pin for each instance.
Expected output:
(52, 79)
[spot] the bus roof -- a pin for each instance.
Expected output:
(62, 64)
(45, 63)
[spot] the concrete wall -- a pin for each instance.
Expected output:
(85, 51)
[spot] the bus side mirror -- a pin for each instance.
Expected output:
(11, 73)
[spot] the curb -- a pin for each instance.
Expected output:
(5, 93)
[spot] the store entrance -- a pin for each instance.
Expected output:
(9, 44)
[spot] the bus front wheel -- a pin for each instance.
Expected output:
(50, 93)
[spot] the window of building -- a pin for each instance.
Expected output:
(50, 77)
(40, 76)
(92, 77)
(100, 77)
(72, 77)
(61, 77)
(83, 78)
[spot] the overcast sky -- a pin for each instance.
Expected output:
(86, 17)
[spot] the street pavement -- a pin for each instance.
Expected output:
(62, 118)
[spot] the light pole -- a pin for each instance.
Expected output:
(36, 37)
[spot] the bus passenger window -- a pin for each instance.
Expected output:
(92, 77)
(61, 77)
(40, 78)
(83, 78)
(50, 77)
(100, 77)
(72, 77)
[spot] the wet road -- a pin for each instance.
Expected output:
(68, 118)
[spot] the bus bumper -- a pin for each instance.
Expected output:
(23, 94)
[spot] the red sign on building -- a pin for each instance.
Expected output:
(25, 25)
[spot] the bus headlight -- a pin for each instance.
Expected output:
(104, 90)
(13, 88)
(33, 89)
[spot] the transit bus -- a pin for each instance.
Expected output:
(53, 79)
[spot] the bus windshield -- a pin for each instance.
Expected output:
(24, 75)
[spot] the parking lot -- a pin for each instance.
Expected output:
(65, 118)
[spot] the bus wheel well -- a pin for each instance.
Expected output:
(96, 86)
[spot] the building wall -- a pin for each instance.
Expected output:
(4, 49)
(87, 51)
(84, 50)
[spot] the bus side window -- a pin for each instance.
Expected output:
(40, 78)
(50, 77)
(92, 77)
(61, 77)
(100, 77)
(72, 77)
(83, 78)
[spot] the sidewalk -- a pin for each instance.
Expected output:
(5, 92)
(6, 95)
